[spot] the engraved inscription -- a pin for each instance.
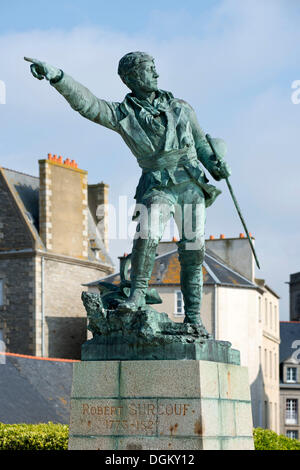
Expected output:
(132, 417)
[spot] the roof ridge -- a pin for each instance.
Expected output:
(289, 321)
(210, 255)
(233, 271)
(20, 172)
(38, 358)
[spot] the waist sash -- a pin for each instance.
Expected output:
(169, 160)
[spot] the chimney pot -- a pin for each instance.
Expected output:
(222, 235)
(60, 160)
(211, 237)
(242, 235)
(49, 156)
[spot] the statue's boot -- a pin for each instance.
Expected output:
(142, 262)
(191, 280)
(191, 287)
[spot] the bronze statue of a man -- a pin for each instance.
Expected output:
(164, 135)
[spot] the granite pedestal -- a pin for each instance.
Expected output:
(160, 405)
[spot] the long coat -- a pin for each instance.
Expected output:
(151, 131)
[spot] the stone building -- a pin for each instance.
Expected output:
(294, 297)
(50, 244)
(236, 307)
(290, 378)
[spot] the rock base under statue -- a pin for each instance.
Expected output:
(160, 405)
(148, 335)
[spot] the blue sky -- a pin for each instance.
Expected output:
(132, 16)
(233, 61)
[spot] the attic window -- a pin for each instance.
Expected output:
(29, 217)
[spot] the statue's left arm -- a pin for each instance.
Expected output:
(216, 166)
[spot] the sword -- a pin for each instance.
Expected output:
(214, 143)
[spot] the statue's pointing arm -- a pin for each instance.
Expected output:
(78, 96)
(217, 167)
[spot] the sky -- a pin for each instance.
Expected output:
(234, 62)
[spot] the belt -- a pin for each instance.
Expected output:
(169, 160)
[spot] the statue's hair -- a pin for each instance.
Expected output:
(131, 61)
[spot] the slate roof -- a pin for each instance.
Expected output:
(26, 188)
(166, 271)
(34, 390)
(289, 333)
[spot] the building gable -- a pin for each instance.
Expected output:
(16, 229)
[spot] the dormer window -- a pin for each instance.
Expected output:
(291, 374)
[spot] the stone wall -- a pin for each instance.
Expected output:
(17, 313)
(236, 252)
(289, 393)
(65, 317)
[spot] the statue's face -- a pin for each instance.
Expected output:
(147, 76)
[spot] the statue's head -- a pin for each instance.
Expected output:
(137, 71)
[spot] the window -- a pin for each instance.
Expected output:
(271, 319)
(2, 348)
(266, 414)
(270, 355)
(291, 374)
(1, 292)
(291, 411)
(292, 434)
(179, 304)
(259, 309)
(275, 317)
(266, 312)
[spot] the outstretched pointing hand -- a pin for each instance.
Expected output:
(41, 70)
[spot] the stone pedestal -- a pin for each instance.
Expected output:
(160, 405)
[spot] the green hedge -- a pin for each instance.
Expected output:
(55, 437)
(264, 439)
(33, 436)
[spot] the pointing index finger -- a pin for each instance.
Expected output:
(33, 61)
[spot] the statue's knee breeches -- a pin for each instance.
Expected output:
(154, 213)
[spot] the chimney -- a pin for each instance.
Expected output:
(236, 252)
(98, 204)
(295, 297)
(63, 207)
